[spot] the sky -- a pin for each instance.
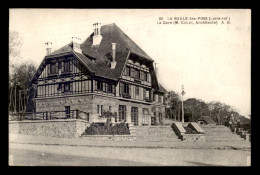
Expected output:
(212, 61)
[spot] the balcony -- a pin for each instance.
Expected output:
(148, 100)
(125, 95)
(138, 81)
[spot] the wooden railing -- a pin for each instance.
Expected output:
(50, 115)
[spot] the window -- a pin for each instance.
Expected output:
(110, 89)
(134, 115)
(97, 109)
(137, 74)
(160, 117)
(100, 109)
(147, 94)
(67, 111)
(53, 69)
(136, 92)
(67, 66)
(142, 75)
(159, 98)
(145, 118)
(105, 88)
(121, 113)
(126, 88)
(66, 87)
(110, 108)
(99, 85)
(145, 76)
(127, 71)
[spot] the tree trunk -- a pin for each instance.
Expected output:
(15, 99)
(10, 98)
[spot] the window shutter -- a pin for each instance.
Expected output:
(132, 72)
(113, 88)
(104, 87)
(71, 87)
(148, 77)
(70, 62)
(129, 89)
(62, 66)
(62, 87)
(57, 68)
(48, 69)
(121, 88)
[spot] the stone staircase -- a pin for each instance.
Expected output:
(155, 134)
(219, 133)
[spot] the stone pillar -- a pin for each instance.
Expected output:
(140, 116)
(128, 114)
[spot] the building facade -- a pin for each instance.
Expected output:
(106, 72)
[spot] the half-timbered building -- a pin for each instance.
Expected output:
(107, 71)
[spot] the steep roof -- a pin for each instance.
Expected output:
(161, 88)
(102, 54)
(208, 119)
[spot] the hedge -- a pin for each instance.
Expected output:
(107, 129)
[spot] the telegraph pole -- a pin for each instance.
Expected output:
(182, 94)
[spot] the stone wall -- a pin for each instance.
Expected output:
(110, 137)
(88, 103)
(193, 137)
(70, 128)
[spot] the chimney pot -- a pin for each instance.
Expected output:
(48, 47)
(113, 63)
(97, 34)
(76, 45)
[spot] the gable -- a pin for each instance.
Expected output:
(53, 66)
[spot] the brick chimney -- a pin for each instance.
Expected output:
(48, 48)
(113, 63)
(97, 34)
(76, 45)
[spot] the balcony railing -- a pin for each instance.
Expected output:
(50, 115)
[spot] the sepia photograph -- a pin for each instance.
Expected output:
(129, 87)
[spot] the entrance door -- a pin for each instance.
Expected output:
(145, 117)
(67, 111)
(134, 115)
(153, 120)
(121, 114)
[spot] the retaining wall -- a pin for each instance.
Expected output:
(110, 137)
(69, 128)
(193, 137)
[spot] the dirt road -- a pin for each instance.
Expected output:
(63, 155)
